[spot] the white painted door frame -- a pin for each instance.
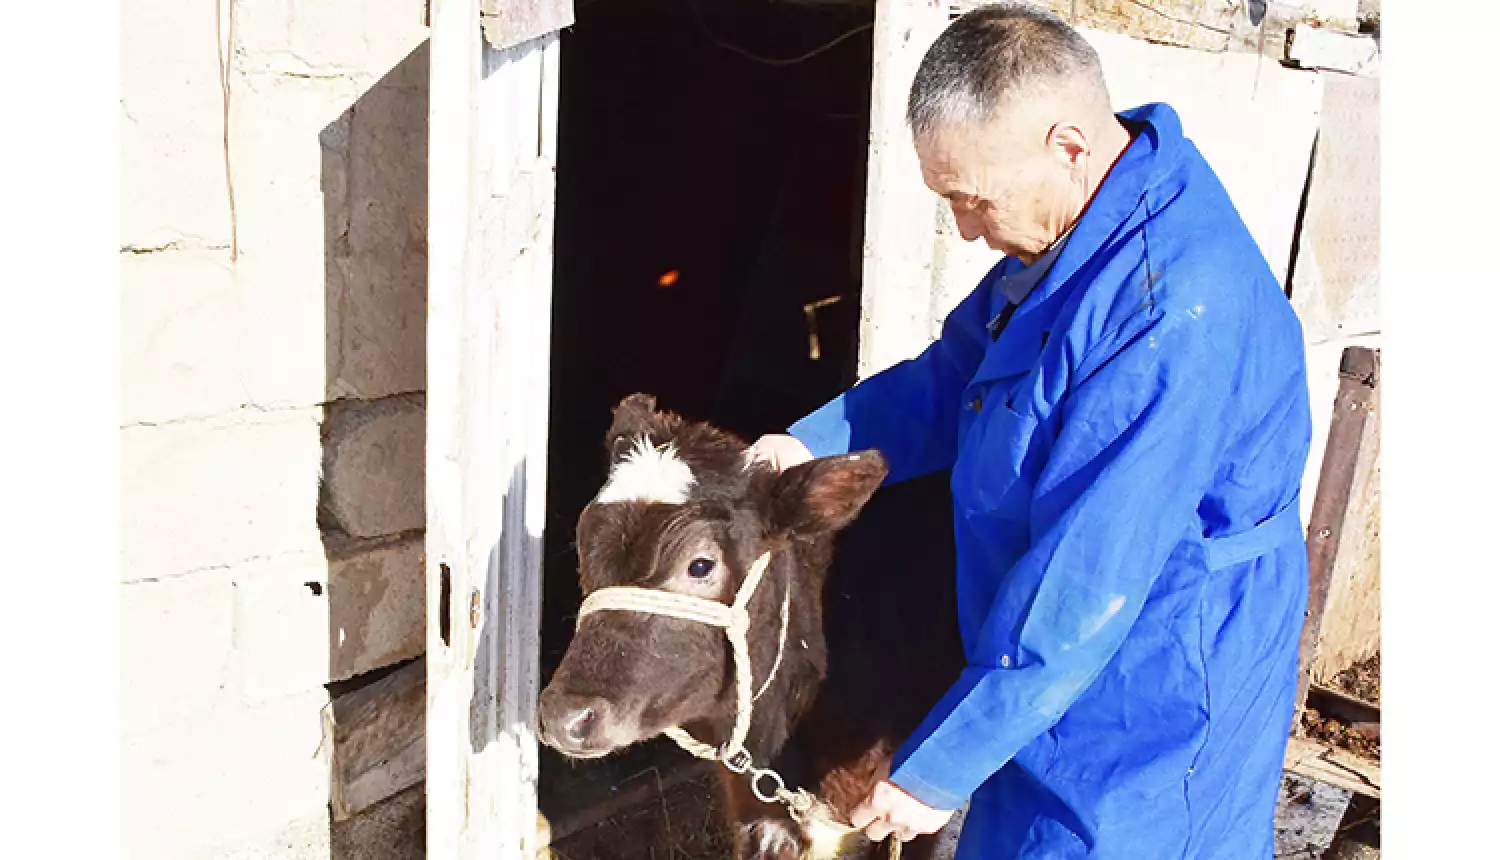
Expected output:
(491, 187)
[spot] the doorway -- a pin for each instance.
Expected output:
(709, 227)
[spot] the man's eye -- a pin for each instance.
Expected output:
(701, 567)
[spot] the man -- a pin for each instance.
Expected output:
(1123, 405)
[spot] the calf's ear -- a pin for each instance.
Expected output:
(824, 495)
(636, 416)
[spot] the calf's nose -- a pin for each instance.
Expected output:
(570, 722)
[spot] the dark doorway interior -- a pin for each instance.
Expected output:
(711, 182)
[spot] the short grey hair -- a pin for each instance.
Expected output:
(995, 52)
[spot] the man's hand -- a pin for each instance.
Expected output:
(890, 810)
(780, 451)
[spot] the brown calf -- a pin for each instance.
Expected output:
(838, 691)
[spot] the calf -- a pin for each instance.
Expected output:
(685, 511)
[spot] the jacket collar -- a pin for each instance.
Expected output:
(1152, 153)
(1153, 150)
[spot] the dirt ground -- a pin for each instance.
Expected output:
(648, 803)
(1334, 731)
(1362, 680)
(1359, 834)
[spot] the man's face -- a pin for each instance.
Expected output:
(1010, 190)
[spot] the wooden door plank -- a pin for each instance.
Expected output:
(491, 192)
(378, 737)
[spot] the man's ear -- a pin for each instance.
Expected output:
(824, 495)
(636, 416)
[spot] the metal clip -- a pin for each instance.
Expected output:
(756, 775)
(737, 761)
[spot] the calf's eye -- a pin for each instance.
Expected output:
(701, 567)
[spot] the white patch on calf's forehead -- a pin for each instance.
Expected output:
(648, 474)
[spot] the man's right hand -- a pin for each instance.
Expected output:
(780, 451)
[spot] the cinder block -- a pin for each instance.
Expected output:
(213, 493)
(238, 776)
(372, 42)
(376, 601)
(263, 35)
(315, 37)
(1342, 12)
(306, 839)
(1323, 48)
(379, 307)
(178, 337)
(172, 182)
(281, 619)
(288, 230)
(1336, 282)
(373, 474)
(175, 643)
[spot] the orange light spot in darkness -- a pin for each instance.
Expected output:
(668, 278)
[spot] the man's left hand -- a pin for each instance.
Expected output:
(889, 809)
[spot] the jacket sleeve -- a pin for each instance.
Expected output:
(1136, 447)
(909, 411)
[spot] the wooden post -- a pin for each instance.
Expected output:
(491, 187)
(1348, 482)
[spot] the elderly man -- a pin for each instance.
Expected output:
(1123, 404)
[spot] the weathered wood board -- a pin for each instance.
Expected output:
(508, 23)
(379, 745)
(1333, 766)
(491, 190)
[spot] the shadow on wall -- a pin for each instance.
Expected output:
(371, 509)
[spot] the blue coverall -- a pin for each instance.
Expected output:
(1126, 457)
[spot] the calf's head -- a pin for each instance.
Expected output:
(684, 511)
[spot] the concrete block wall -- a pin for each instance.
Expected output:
(272, 367)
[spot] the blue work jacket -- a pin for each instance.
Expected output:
(1126, 457)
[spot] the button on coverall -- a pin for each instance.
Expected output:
(1126, 457)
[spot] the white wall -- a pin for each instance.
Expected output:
(243, 380)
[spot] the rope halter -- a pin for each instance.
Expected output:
(734, 620)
